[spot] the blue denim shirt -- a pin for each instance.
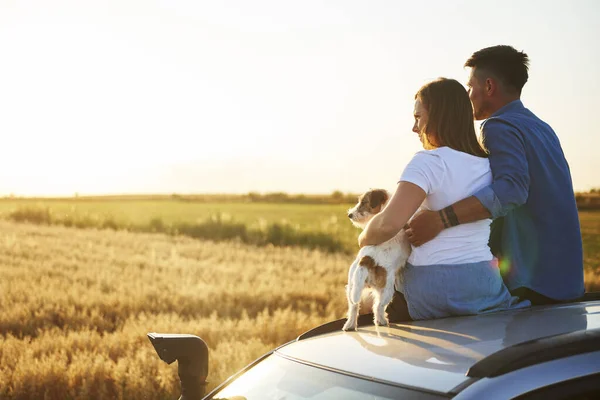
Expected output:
(532, 189)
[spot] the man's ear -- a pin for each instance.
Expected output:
(490, 86)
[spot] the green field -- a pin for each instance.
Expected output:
(309, 216)
(321, 226)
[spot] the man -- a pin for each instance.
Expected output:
(539, 240)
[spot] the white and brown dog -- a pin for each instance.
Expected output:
(375, 267)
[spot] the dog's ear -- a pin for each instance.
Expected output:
(377, 198)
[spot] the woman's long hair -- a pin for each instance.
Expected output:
(450, 120)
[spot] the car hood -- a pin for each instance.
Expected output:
(436, 354)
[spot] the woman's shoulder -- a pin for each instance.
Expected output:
(437, 152)
(443, 158)
(447, 153)
(433, 153)
(432, 156)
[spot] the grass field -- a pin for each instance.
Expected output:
(140, 212)
(322, 226)
(76, 304)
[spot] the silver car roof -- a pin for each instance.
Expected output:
(436, 354)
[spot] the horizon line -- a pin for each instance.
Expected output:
(14, 196)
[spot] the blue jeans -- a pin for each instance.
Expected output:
(444, 290)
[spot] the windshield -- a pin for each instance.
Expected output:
(278, 378)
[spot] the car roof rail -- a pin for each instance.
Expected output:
(536, 351)
(335, 326)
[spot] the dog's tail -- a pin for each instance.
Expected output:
(360, 277)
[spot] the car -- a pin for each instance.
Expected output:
(542, 352)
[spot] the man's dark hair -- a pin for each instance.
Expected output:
(505, 63)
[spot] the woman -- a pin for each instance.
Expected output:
(455, 273)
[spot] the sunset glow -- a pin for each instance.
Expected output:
(202, 97)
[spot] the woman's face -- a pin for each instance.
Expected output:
(421, 116)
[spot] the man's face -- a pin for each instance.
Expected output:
(478, 97)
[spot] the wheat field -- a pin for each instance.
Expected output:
(76, 304)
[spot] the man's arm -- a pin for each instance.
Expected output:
(509, 189)
(426, 224)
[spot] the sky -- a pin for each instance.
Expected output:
(233, 96)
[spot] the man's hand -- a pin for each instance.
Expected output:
(424, 226)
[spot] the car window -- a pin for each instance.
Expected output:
(277, 378)
(584, 388)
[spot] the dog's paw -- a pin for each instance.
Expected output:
(381, 321)
(349, 325)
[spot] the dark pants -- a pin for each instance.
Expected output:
(397, 311)
(534, 297)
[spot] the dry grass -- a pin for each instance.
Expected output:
(77, 304)
(590, 232)
(592, 281)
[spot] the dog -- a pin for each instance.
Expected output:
(375, 267)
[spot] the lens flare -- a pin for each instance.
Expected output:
(504, 265)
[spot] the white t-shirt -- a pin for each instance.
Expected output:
(447, 176)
